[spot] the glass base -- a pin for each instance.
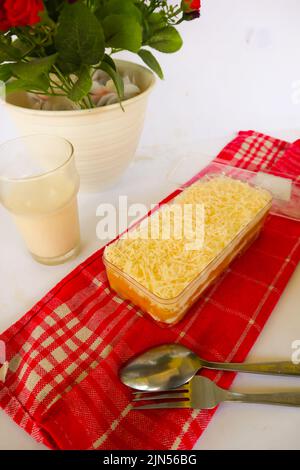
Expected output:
(58, 259)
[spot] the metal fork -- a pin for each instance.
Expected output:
(202, 393)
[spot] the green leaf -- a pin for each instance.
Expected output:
(109, 61)
(16, 85)
(40, 83)
(23, 49)
(5, 72)
(120, 7)
(152, 24)
(151, 61)
(156, 21)
(166, 40)
(83, 85)
(35, 73)
(115, 76)
(79, 39)
(123, 32)
(9, 52)
(29, 71)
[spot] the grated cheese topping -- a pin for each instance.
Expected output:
(165, 266)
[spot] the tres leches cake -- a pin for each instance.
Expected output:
(163, 271)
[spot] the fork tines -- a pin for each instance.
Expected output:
(152, 396)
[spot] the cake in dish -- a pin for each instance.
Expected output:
(165, 271)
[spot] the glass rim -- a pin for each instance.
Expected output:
(40, 175)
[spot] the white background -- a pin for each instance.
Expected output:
(236, 71)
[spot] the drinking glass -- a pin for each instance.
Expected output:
(38, 186)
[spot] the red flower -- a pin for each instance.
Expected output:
(4, 23)
(191, 9)
(191, 5)
(23, 12)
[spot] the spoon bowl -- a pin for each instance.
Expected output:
(161, 368)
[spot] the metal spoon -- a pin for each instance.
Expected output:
(172, 365)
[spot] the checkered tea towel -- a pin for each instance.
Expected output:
(64, 355)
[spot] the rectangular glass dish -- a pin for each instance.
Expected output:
(168, 309)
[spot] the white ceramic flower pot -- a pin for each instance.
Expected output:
(105, 139)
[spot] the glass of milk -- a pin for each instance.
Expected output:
(39, 185)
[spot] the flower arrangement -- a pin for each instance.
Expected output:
(54, 47)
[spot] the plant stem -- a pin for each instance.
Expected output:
(42, 93)
(58, 86)
(83, 104)
(62, 78)
(91, 104)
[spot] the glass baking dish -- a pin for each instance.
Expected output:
(171, 310)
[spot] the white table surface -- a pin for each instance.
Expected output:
(23, 282)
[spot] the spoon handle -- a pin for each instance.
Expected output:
(272, 368)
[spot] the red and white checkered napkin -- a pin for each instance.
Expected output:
(62, 386)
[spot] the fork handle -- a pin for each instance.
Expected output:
(283, 398)
(273, 368)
